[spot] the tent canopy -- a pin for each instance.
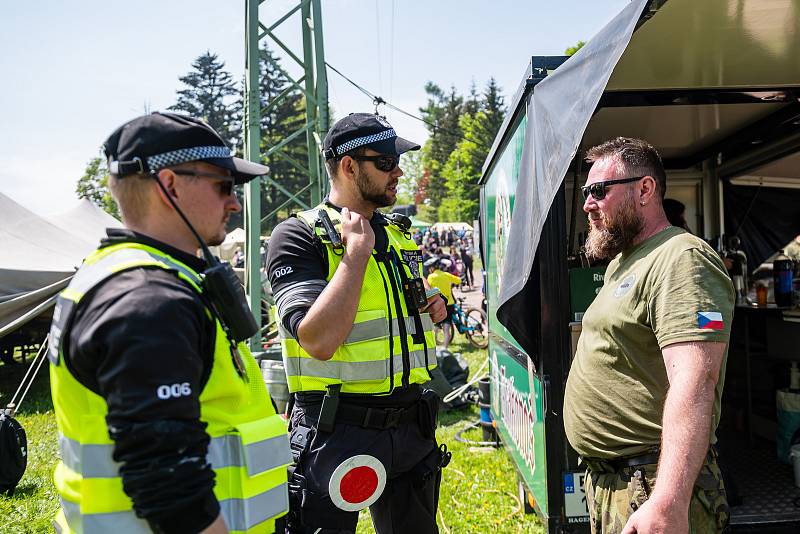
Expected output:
(40, 255)
(727, 90)
(441, 226)
(418, 223)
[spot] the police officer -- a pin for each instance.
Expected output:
(357, 337)
(164, 422)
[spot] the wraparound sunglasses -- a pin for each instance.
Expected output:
(598, 189)
(383, 162)
(225, 186)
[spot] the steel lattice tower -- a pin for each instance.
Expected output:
(314, 86)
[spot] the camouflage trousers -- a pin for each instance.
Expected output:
(612, 496)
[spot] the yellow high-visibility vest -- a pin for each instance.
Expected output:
(249, 448)
(388, 346)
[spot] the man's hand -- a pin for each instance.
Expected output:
(436, 307)
(656, 517)
(357, 235)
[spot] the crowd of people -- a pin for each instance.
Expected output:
(452, 248)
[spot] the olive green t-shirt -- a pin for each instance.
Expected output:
(671, 288)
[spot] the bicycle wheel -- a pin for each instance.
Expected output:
(478, 328)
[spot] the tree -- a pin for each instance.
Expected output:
(452, 189)
(93, 185)
(572, 49)
(212, 95)
(413, 174)
(443, 112)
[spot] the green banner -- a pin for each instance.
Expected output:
(517, 408)
(499, 191)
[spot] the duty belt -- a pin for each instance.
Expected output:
(375, 418)
(615, 465)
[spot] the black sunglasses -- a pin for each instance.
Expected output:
(598, 189)
(383, 162)
(225, 187)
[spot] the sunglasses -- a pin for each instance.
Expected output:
(598, 189)
(225, 187)
(383, 162)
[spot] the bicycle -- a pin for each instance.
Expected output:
(472, 322)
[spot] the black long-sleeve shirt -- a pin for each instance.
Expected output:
(139, 330)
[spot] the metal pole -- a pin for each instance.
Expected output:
(252, 191)
(307, 24)
(322, 89)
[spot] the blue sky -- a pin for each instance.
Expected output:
(74, 71)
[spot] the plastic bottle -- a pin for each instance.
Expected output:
(782, 273)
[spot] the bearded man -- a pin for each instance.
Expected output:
(643, 396)
(356, 333)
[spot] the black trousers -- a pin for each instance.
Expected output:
(409, 500)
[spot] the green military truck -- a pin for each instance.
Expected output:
(715, 86)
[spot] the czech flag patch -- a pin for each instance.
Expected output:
(710, 320)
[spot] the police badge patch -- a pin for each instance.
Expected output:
(412, 258)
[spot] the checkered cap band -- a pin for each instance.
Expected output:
(366, 140)
(159, 161)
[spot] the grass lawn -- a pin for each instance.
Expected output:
(478, 492)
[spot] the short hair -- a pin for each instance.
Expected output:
(635, 157)
(130, 192)
(333, 164)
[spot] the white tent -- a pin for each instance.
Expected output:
(85, 220)
(442, 226)
(234, 239)
(39, 255)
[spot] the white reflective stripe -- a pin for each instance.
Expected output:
(243, 514)
(90, 461)
(374, 329)
(267, 454)
(418, 359)
(366, 331)
(90, 275)
(116, 522)
(95, 461)
(411, 324)
(350, 371)
(239, 514)
(261, 456)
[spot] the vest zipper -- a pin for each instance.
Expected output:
(401, 323)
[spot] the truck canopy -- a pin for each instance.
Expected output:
(713, 83)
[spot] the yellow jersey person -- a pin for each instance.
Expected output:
(164, 421)
(444, 281)
(356, 331)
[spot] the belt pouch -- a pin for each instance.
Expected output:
(427, 412)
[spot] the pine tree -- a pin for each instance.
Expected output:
(444, 112)
(464, 165)
(494, 106)
(212, 95)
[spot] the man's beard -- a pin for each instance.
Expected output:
(617, 233)
(371, 193)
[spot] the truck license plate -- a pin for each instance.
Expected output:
(575, 498)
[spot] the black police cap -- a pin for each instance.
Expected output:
(152, 142)
(364, 129)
